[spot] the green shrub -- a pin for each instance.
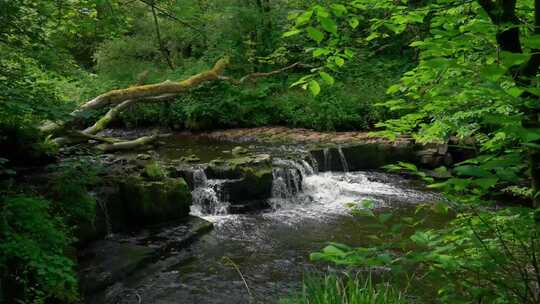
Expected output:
(33, 264)
(331, 289)
(69, 191)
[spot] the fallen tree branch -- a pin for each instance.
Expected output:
(254, 76)
(74, 137)
(122, 99)
(151, 90)
(128, 144)
(115, 111)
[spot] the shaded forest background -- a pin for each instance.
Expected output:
(463, 73)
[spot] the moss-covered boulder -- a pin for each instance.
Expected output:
(237, 167)
(249, 181)
(139, 202)
(255, 184)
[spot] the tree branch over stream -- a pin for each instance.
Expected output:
(121, 99)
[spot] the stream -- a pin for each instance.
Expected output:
(269, 249)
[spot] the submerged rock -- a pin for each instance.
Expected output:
(104, 262)
(190, 159)
(239, 150)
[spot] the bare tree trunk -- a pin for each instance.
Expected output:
(164, 50)
(128, 145)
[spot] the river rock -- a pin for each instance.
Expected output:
(144, 156)
(190, 158)
(104, 262)
(138, 202)
(157, 201)
(248, 181)
(239, 150)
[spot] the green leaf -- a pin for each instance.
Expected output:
(492, 72)
(320, 52)
(304, 18)
(532, 42)
(486, 183)
(514, 91)
(472, 171)
(333, 250)
(372, 36)
(291, 33)
(328, 25)
(368, 204)
(533, 90)
(339, 61)
(314, 87)
(315, 34)
(301, 81)
(440, 208)
(339, 9)
(511, 59)
(383, 218)
(327, 78)
(353, 22)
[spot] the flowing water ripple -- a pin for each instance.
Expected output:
(271, 248)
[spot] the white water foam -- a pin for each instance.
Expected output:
(299, 193)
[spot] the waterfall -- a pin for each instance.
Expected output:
(288, 176)
(343, 160)
(199, 178)
(309, 169)
(206, 195)
(327, 159)
(286, 183)
(314, 164)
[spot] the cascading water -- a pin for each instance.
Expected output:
(288, 177)
(206, 195)
(309, 169)
(327, 159)
(313, 163)
(199, 178)
(271, 247)
(343, 160)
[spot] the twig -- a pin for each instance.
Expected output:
(228, 261)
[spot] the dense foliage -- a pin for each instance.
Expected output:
(37, 233)
(464, 72)
(476, 85)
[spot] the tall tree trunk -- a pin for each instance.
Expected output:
(164, 50)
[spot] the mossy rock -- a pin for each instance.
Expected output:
(255, 185)
(235, 168)
(139, 202)
(239, 151)
(249, 180)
